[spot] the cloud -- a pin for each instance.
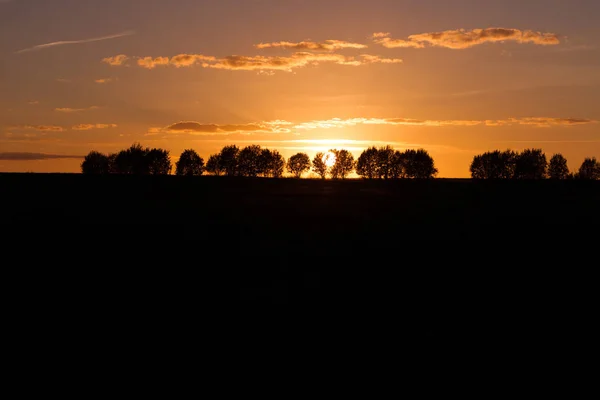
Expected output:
(530, 121)
(65, 42)
(281, 126)
(369, 59)
(296, 60)
(116, 61)
(42, 128)
(464, 39)
(256, 63)
(187, 60)
(549, 122)
(104, 80)
(384, 40)
(73, 110)
(33, 102)
(179, 61)
(87, 127)
(327, 45)
(33, 156)
(197, 128)
(151, 63)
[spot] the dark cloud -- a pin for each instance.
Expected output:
(34, 156)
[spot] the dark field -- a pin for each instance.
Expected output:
(439, 259)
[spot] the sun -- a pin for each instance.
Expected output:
(329, 159)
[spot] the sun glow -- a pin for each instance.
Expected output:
(329, 159)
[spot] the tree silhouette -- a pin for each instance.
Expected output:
(398, 169)
(213, 165)
(367, 165)
(319, 165)
(589, 170)
(530, 164)
(249, 161)
(419, 164)
(494, 165)
(558, 169)
(271, 163)
(385, 162)
(344, 164)
(298, 164)
(95, 163)
(189, 164)
(228, 159)
(132, 161)
(112, 163)
(159, 162)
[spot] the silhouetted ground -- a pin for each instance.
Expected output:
(440, 260)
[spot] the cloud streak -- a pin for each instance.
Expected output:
(74, 110)
(253, 63)
(87, 127)
(281, 126)
(463, 39)
(34, 156)
(327, 45)
(66, 42)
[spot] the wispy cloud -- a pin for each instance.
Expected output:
(104, 80)
(87, 127)
(73, 110)
(281, 126)
(327, 45)
(42, 128)
(464, 39)
(197, 128)
(33, 102)
(116, 61)
(34, 156)
(65, 42)
(254, 63)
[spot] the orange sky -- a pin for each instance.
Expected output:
(456, 79)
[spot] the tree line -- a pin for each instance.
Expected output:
(373, 163)
(530, 164)
(254, 161)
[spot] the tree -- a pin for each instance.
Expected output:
(213, 165)
(531, 164)
(132, 161)
(228, 159)
(344, 164)
(589, 170)
(95, 163)
(298, 164)
(189, 164)
(398, 169)
(271, 163)
(112, 163)
(249, 161)
(558, 169)
(494, 165)
(319, 164)
(159, 162)
(367, 164)
(419, 164)
(385, 162)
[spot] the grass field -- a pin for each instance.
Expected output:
(426, 249)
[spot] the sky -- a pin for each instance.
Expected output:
(457, 78)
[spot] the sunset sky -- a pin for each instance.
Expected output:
(454, 77)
